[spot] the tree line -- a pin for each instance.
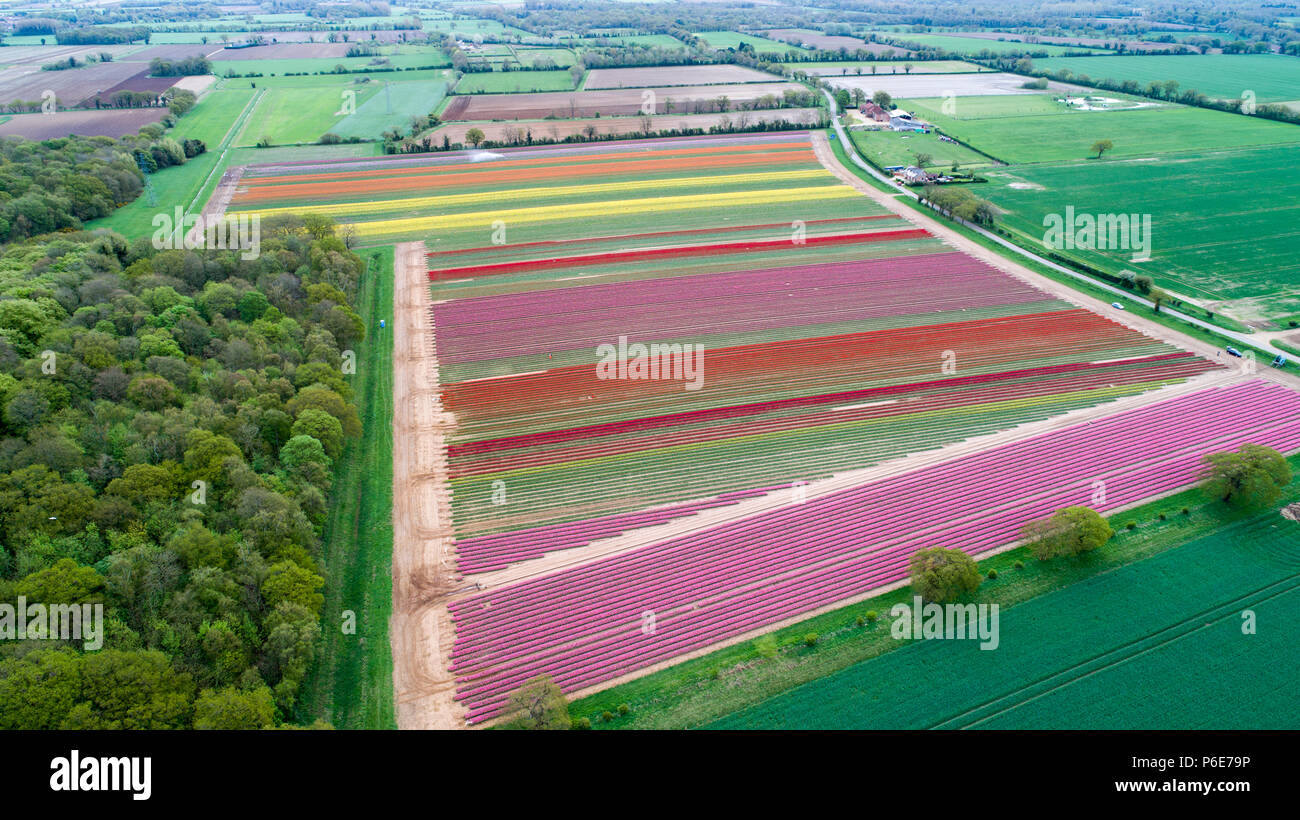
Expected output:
(168, 424)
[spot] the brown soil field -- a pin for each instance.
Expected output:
(70, 86)
(574, 104)
(599, 78)
(105, 123)
(559, 129)
(140, 82)
(40, 55)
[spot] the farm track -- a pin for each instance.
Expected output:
(420, 630)
(216, 205)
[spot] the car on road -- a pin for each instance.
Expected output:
(1117, 305)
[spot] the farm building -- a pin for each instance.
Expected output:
(912, 175)
(900, 120)
(873, 112)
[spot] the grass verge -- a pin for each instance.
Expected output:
(352, 683)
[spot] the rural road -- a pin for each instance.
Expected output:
(1242, 338)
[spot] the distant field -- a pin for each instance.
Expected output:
(391, 106)
(1068, 135)
(289, 115)
(649, 40)
(212, 120)
(106, 123)
(326, 65)
(973, 45)
(1255, 264)
(559, 129)
(1156, 644)
(1272, 77)
(609, 102)
(896, 148)
(514, 82)
(600, 78)
(732, 39)
(873, 67)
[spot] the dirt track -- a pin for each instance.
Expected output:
(420, 630)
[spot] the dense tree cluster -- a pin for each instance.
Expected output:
(58, 184)
(185, 67)
(168, 422)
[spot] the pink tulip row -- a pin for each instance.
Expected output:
(596, 622)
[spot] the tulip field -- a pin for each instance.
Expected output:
(816, 333)
(586, 625)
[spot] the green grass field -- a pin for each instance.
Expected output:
(391, 106)
(1069, 134)
(1156, 644)
(287, 116)
(652, 40)
(514, 82)
(214, 120)
(352, 684)
(1272, 77)
(974, 45)
(1218, 239)
(887, 148)
(728, 681)
(428, 58)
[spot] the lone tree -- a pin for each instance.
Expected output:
(882, 98)
(1071, 531)
(474, 136)
(923, 159)
(539, 704)
(1102, 146)
(1252, 478)
(940, 575)
(1159, 296)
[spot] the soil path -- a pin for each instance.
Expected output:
(423, 575)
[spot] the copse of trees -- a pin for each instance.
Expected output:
(187, 67)
(59, 184)
(1251, 478)
(168, 423)
(101, 35)
(941, 575)
(1071, 531)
